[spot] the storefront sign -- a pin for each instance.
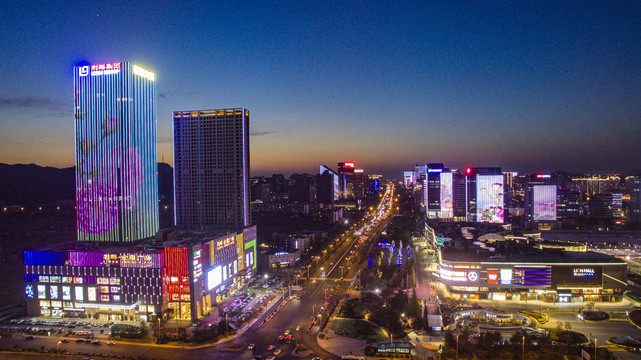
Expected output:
(583, 272)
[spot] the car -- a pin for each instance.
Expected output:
(64, 340)
(251, 346)
(281, 337)
(96, 342)
(270, 347)
(289, 337)
(271, 358)
(277, 351)
(287, 332)
(80, 340)
(29, 337)
(256, 358)
(298, 328)
(111, 343)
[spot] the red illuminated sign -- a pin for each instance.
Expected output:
(110, 66)
(350, 164)
(492, 277)
(468, 170)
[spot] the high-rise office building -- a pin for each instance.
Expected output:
(116, 162)
(635, 198)
(211, 169)
(327, 188)
(351, 181)
(485, 194)
(439, 192)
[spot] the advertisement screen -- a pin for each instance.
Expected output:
(533, 276)
(42, 291)
(79, 293)
(66, 293)
(214, 277)
(29, 291)
(492, 276)
(489, 198)
(447, 202)
(91, 293)
(506, 276)
(53, 290)
(578, 275)
(544, 202)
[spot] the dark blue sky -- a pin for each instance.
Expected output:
(528, 86)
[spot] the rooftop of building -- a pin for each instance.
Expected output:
(171, 237)
(508, 251)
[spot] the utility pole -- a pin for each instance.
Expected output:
(595, 347)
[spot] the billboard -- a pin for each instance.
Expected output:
(489, 198)
(447, 202)
(578, 275)
(506, 276)
(492, 276)
(533, 276)
(544, 202)
(214, 277)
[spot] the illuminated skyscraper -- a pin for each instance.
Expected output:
(211, 169)
(116, 163)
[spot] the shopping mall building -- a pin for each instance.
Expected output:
(180, 273)
(522, 272)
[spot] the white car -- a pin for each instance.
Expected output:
(251, 346)
(287, 332)
(298, 328)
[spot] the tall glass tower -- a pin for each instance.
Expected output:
(116, 162)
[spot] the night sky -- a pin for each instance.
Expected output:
(527, 86)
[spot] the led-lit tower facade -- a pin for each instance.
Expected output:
(211, 169)
(116, 162)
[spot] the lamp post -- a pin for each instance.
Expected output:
(342, 271)
(456, 346)
(595, 347)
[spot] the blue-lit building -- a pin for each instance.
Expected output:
(116, 162)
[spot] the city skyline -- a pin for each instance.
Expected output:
(535, 87)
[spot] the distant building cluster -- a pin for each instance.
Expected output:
(325, 194)
(123, 267)
(542, 201)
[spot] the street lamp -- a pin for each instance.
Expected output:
(523, 357)
(456, 346)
